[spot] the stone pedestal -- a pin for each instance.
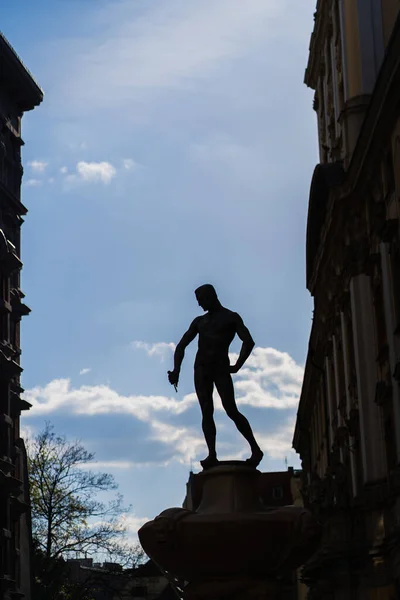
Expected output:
(232, 547)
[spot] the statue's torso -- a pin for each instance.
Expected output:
(216, 332)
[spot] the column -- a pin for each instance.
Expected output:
(338, 386)
(370, 28)
(346, 361)
(323, 427)
(326, 413)
(337, 379)
(390, 318)
(331, 399)
(316, 434)
(321, 119)
(335, 85)
(314, 443)
(372, 439)
(350, 48)
(320, 435)
(327, 108)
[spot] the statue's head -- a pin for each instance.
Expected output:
(206, 296)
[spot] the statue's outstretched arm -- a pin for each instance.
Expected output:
(247, 345)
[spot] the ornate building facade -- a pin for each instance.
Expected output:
(348, 424)
(18, 93)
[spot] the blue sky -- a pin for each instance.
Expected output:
(174, 147)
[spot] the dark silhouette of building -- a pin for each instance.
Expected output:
(18, 94)
(348, 423)
(276, 488)
(109, 581)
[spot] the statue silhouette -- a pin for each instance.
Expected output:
(216, 330)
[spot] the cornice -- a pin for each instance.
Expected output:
(9, 198)
(321, 18)
(17, 79)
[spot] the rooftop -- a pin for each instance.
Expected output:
(16, 79)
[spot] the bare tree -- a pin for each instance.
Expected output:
(68, 519)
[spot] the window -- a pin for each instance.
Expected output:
(277, 493)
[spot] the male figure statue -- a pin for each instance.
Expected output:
(216, 330)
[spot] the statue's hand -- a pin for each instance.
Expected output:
(233, 369)
(173, 377)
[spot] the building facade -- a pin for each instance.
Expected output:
(348, 424)
(18, 93)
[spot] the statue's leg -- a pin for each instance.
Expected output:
(203, 381)
(224, 385)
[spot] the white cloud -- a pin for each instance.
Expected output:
(33, 183)
(51, 180)
(278, 444)
(90, 172)
(132, 523)
(129, 164)
(58, 395)
(161, 349)
(38, 166)
(270, 379)
(84, 371)
(27, 431)
(102, 172)
(187, 444)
